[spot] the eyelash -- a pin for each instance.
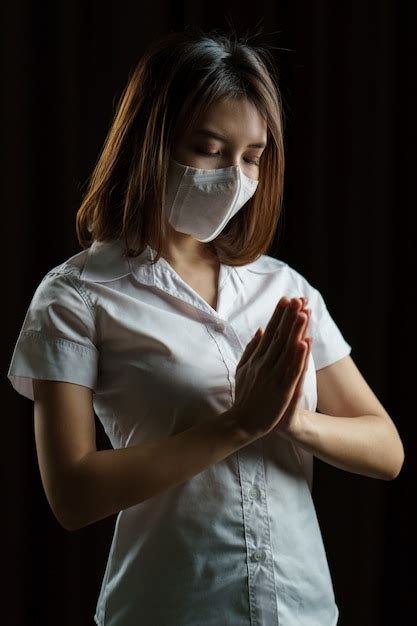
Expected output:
(213, 154)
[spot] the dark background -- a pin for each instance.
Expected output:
(348, 79)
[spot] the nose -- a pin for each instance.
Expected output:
(248, 170)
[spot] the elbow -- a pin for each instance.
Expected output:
(72, 522)
(395, 471)
(71, 501)
(393, 453)
(67, 522)
(67, 516)
(396, 465)
(72, 525)
(61, 513)
(69, 525)
(73, 507)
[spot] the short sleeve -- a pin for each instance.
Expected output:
(57, 340)
(329, 344)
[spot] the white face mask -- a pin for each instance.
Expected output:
(201, 202)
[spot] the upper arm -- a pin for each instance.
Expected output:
(65, 432)
(343, 391)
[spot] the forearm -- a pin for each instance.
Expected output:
(107, 481)
(366, 444)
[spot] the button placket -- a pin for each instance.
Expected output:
(254, 493)
(219, 327)
(261, 575)
(259, 555)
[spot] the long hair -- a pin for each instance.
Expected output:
(178, 77)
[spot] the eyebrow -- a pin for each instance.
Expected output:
(210, 133)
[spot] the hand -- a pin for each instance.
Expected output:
(289, 425)
(270, 369)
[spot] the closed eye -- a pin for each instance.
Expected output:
(215, 154)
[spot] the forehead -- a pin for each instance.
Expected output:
(237, 119)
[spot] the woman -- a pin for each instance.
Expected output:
(152, 327)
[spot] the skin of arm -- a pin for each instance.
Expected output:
(104, 482)
(352, 430)
(84, 485)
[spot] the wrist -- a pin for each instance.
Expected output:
(231, 423)
(294, 429)
(303, 428)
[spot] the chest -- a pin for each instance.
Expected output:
(203, 281)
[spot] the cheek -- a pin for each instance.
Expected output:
(177, 153)
(185, 156)
(190, 157)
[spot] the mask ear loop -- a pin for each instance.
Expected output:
(169, 215)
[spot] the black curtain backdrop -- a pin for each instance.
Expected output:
(347, 74)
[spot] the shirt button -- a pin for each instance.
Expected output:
(219, 326)
(254, 493)
(259, 555)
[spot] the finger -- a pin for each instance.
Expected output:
(307, 326)
(276, 345)
(298, 389)
(282, 332)
(272, 324)
(293, 367)
(250, 347)
(300, 383)
(286, 351)
(304, 330)
(287, 319)
(288, 338)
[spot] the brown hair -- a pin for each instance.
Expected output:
(176, 79)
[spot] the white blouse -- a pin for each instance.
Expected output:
(239, 544)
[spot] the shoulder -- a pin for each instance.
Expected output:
(281, 271)
(73, 266)
(277, 278)
(100, 262)
(62, 285)
(265, 264)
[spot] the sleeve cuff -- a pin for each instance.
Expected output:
(42, 356)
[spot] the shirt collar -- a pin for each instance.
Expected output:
(105, 262)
